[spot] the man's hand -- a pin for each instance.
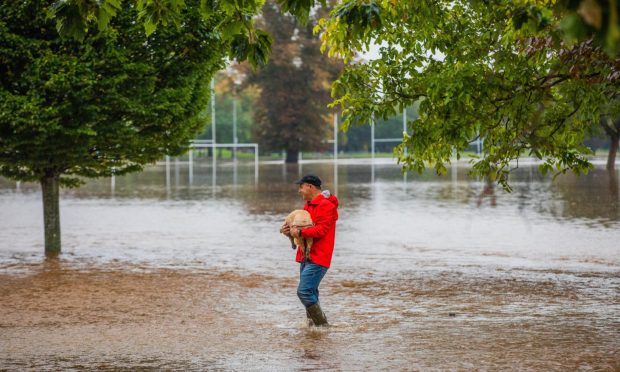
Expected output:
(286, 230)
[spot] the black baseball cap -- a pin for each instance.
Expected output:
(311, 179)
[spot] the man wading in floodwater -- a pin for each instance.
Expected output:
(323, 209)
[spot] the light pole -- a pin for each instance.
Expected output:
(405, 146)
(372, 149)
(235, 137)
(336, 153)
(214, 147)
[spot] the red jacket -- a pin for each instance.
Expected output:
(324, 214)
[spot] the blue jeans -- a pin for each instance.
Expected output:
(310, 276)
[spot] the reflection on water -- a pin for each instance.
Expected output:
(594, 196)
(429, 272)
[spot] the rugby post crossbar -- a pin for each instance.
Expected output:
(204, 144)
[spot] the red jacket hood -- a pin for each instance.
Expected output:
(331, 198)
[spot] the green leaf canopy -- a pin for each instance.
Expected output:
(500, 71)
(107, 105)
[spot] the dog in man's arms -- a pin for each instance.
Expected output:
(301, 219)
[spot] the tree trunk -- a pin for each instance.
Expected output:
(613, 187)
(613, 150)
(292, 156)
(51, 215)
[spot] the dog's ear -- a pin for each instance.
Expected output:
(292, 242)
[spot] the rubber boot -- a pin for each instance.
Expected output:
(317, 315)
(309, 319)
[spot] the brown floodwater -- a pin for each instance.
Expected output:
(428, 273)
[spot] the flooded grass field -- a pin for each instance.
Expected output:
(428, 273)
